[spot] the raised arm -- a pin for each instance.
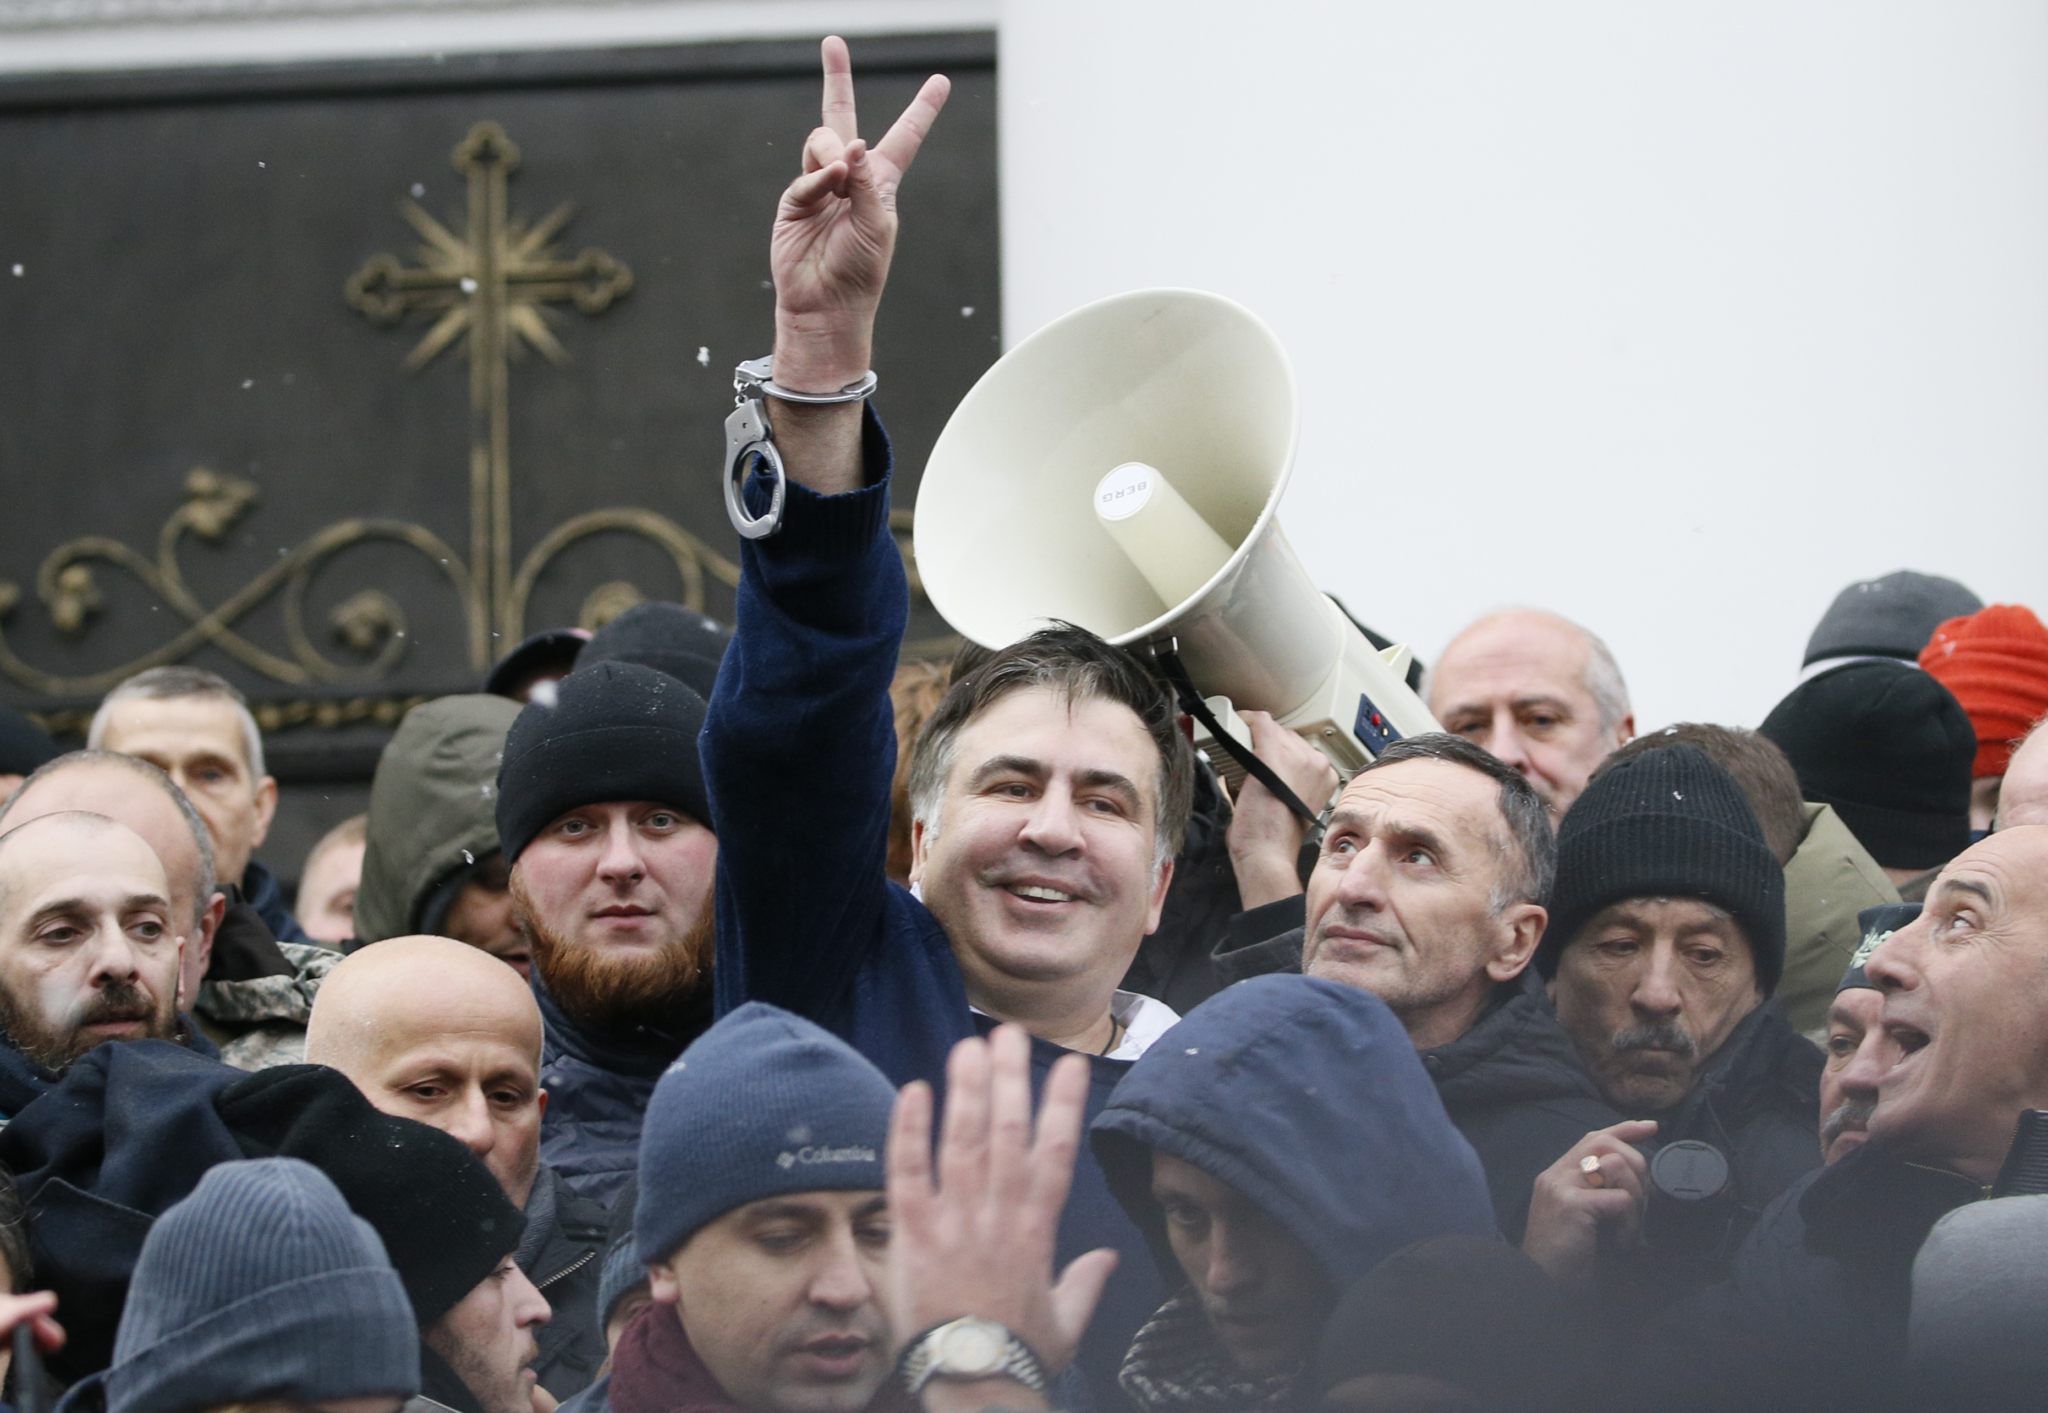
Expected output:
(799, 747)
(835, 234)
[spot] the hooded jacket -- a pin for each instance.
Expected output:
(1307, 1097)
(1828, 880)
(432, 806)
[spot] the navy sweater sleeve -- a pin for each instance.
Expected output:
(799, 751)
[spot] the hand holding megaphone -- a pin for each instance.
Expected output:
(1120, 469)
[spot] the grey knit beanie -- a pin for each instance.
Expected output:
(1979, 1297)
(1889, 617)
(764, 1103)
(261, 1285)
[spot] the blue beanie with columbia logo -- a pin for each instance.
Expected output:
(763, 1104)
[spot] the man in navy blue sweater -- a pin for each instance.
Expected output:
(1050, 789)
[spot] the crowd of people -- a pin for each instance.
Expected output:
(745, 1020)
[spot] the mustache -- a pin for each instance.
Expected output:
(1656, 1035)
(116, 1001)
(1852, 1114)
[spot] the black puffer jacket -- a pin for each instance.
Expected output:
(1513, 1086)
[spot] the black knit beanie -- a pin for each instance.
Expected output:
(610, 731)
(1891, 749)
(443, 1218)
(1668, 823)
(667, 637)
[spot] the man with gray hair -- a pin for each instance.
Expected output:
(1538, 691)
(1430, 892)
(196, 728)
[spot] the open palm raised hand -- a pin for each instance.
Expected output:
(835, 231)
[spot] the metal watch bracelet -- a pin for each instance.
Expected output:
(970, 1349)
(749, 434)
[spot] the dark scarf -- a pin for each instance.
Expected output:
(654, 1370)
(1177, 1366)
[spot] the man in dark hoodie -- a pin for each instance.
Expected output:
(1666, 939)
(602, 815)
(432, 862)
(1281, 1142)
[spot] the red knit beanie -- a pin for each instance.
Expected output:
(1996, 662)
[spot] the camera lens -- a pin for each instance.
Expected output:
(1689, 1171)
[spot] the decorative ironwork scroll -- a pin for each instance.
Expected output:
(489, 288)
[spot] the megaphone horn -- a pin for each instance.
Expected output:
(1120, 469)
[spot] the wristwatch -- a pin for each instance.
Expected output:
(969, 1349)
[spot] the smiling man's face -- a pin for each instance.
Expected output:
(1040, 867)
(1966, 1000)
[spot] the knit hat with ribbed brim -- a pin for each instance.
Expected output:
(441, 1214)
(609, 731)
(261, 1286)
(1891, 749)
(1889, 617)
(1668, 823)
(1996, 663)
(763, 1104)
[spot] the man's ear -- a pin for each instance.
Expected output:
(541, 1099)
(662, 1283)
(1159, 898)
(266, 810)
(216, 909)
(920, 842)
(1625, 731)
(1521, 929)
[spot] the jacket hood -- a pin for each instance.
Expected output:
(1307, 1097)
(432, 808)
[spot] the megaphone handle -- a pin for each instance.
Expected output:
(1191, 702)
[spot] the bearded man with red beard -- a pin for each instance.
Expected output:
(602, 815)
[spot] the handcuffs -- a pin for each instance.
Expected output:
(749, 434)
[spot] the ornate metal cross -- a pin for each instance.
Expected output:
(491, 284)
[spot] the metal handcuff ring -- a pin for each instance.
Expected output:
(749, 434)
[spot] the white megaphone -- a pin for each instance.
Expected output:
(1120, 469)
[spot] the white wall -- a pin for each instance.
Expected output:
(1675, 318)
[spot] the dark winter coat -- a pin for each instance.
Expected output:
(96, 1158)
(799, 751)
(562, 1253)
(1816, 1302)
(598, 1087)
(1513, 1086)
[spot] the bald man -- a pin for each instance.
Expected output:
(1540, 693)
(2023, 798)
(248, 990)
(89, 947)
(433, 1029)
